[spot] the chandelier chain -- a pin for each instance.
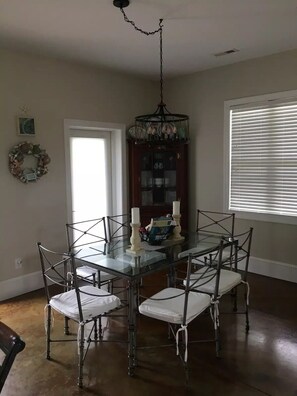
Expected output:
(137, 28)
(150, 33)
(161, 60)
(161, 125)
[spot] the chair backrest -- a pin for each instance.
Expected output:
(57, 270)
(81, 303)
(219, 223)
(210, 268)
(10, 345)
(242, 253)
(118, 227)
(86, 233)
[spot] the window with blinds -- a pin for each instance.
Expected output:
(263, 157)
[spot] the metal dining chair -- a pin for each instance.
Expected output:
(118, 230)
(230, 276)
(118, 227)
(81, 304)
(91, 233)
(217, 223)
(10, 345)
(179, 306)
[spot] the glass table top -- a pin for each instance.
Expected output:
(115, 259)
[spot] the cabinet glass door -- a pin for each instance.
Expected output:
(158, 178)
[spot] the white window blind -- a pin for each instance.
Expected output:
(263, 158)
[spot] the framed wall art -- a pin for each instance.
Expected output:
(25, 126)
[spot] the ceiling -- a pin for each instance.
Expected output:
(94, 32)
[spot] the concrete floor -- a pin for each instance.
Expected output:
(264, 362)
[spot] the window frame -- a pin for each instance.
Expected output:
(228, 105)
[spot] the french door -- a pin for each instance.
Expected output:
(95, 171)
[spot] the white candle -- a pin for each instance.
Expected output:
(176, 207)
(135, 216)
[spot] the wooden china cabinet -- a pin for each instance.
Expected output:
(158, 176)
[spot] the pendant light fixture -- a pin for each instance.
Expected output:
(161, 125)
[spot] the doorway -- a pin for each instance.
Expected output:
(96, 176)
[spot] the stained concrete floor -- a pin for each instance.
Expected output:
(264, 362)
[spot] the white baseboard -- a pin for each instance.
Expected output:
(22, 284)
(26, 283)
(274, 269)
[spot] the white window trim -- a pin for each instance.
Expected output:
(227, 105)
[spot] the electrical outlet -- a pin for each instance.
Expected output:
(18, 263)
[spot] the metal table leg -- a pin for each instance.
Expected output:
(132, 310)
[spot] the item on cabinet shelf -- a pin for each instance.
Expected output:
(146, 179)
(159, 182)
(147, 197)
(158, 165)
(158, 230)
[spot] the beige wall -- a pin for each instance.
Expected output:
(202, 96)
(53, 91)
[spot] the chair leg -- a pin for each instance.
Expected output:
(234, 295)
(100, 328)
(185, 362)
(246, 298)
(110, 287)
(48, 326)
(66, 325)
(215, 317)
(81, 339)
(247, 323)
(168, 331)
(95, 329)
(217, 340)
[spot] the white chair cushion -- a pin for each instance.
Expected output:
(92, 306)
(228, 280)
(172, 310)
(87, 272)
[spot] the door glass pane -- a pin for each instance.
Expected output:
(89, 182)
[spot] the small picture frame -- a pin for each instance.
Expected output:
(25, 126)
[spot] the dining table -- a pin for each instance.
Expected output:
(117, 259)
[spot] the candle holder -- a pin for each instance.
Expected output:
(177, 229)
(135, 239)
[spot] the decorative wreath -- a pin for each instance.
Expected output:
(16, 158)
